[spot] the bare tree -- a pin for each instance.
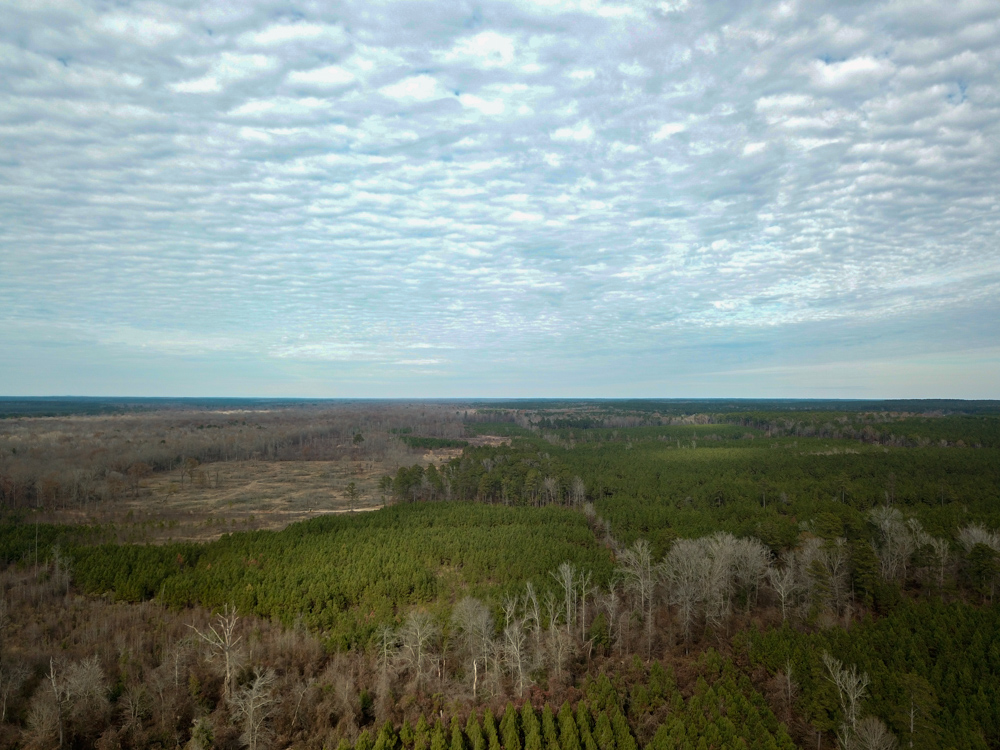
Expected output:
(566, 577)
(610, 602)
(516, 657)
(579, 490)
(871, 734)
(560, 644)
(551, 487)
(785, 583)
(686, 571)
(224, 644)
(851, 687)
(418, 635)
(751, 563)
(970, 536)
(253, 705)
(476, 628)
(12, 677)
(639, 576)
(388, 645)
(720, 550)
(896, 543)
(77, 689)
(941, 552)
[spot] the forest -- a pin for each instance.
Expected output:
(572, 575)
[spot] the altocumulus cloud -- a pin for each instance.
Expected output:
(555, 198)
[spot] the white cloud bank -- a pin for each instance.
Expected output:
(571, 197)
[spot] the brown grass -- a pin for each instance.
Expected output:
(236, 496)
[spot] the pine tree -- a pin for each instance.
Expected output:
(457, 738)
(438, 741)
(490, 729)
(623, 735)
(583, 722)
(549, 731)
(604, 734)
(386, 739)
(422, 735)
(532, 728)
(510, 729)
(569, 735)
(407, 735)
(475, 732)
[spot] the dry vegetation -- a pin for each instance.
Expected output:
(193, 474)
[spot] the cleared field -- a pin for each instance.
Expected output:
(219, 497)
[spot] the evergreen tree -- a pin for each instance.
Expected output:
(569, 734)
(422, 735)
(387, 739)
(490, 729)
(457, 738)
(549, 731)
(510, 729)
(604, 734)
(531, 727)
(474, 732)
(438, 739)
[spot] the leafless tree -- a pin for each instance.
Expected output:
(551, 487)
(941, 553)
(871, 734)
(851, 687)
(579, 490)
(686, 570)
(610, 603)
(418, 635)
(559, 641)
(970, 536)
(387, 645)
(253, 704)
(516, 656)
(751, 562)
(135, 706)
(785, 584)
(12, 677)
(224, 644)
(566, 577)
(720, 550)
(896, 542)
(636, 566)
(77, 690)
(476, 628)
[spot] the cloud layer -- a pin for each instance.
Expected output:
(508, 198)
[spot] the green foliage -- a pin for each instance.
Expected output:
(943, 657)
(430, 443)
(474, 732)
(510, 729)
(345, 575)
(490, 729)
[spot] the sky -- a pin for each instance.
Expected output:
(502, 198)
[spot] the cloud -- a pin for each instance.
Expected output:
(327, 76)
(614, 198)
(421, 88)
